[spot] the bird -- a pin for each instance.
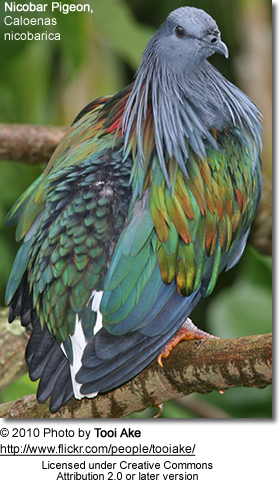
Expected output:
(148, 197)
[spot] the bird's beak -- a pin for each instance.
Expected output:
(220, 47)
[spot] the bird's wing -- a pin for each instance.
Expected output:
(186, 235)
(70, 220)
(78, 142)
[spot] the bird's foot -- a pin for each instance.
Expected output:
(188, 331)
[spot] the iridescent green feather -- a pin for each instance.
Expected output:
(210, 210)
(68, 255)
(79, 143)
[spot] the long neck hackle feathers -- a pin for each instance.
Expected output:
(186, 105)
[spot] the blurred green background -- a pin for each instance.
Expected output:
(49, 82)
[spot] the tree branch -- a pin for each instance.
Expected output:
(13, 339)
(193, 366)
(33, 144)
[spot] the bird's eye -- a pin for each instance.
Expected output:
(180, 32)
(213, 40)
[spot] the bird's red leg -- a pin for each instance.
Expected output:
(188, 331)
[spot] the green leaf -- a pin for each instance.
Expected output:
(18, 389)
(256, 268)
(244, 309)
(121, 30)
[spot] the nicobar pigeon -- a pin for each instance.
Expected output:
(148, 197)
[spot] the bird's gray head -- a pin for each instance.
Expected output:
(185, 96)
(187, 37)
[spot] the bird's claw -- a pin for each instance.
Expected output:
(188, 331)
(160, 410)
